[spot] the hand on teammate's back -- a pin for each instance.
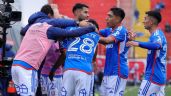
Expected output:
(84, 23)
(131, 35)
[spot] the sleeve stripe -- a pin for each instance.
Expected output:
(113, 37)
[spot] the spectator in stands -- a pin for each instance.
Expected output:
(136, 15)
(167, 27)
(160, 5)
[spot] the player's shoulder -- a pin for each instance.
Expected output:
(121, 28)
(91, 35)
(158, 32)
(108, 29)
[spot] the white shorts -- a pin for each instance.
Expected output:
(76, 83)
(55, 86)
(162, 91)
(148, 88)
(112, 86)
(25, 81)
(44, 81)
(51, 88)
(92, 84)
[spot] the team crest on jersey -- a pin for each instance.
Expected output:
(63, 92)
(17, 88)
(110, 90)
(82, 92)
(23, 89)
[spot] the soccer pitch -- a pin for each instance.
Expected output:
(133, 91)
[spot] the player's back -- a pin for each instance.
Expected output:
(80, 52)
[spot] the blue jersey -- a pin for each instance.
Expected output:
(116, 53)
(80, 52)
(156, 59)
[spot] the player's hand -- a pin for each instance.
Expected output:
(51, 74)
(66, 17)
(132, 43)
(131, 35)
(84, 23)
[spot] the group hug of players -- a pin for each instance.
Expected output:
(65, 49)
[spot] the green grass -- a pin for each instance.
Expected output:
(133, 91)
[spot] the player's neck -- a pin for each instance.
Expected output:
(76, 18)
(152, 29)
(117, 25)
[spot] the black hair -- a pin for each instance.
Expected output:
(94, 23)
(118, 12)
(79, 6)
(47, 9)
(155, 14)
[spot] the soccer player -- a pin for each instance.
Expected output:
(116, 68)
(34, 47)
(155, 73)
(48, 87)
(51, 87)
(80, 11)
(78, 64)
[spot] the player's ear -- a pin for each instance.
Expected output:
(51, 16)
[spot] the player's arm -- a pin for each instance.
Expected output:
(57, 64)
(146, 45)
(24, 30)
(56, 33)
(107, 40)
(104, 32)
(62, 23)
(94, 59)
(115, 37)
(131, 35)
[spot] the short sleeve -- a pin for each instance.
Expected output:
(105, 32)
(119, 35)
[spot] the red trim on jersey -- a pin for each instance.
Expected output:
(23, 67)
(157, 83)
(89, 73)
(113, 37)
(123, 77)
(153, 67)
(119, 60)
(159, 44)
(100, 34)
(119, 74)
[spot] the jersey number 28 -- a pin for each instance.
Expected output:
(86, 42)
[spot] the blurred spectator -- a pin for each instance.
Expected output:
(8, 52)
(136, 15)
(134, 73)
(5, 70)
(167, 27)
(160, 5)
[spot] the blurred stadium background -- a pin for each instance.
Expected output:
(135, 12)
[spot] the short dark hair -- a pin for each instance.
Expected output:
(118, 12)
(79, 6)
(155, 14)
(47, 9)
(94, 23)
